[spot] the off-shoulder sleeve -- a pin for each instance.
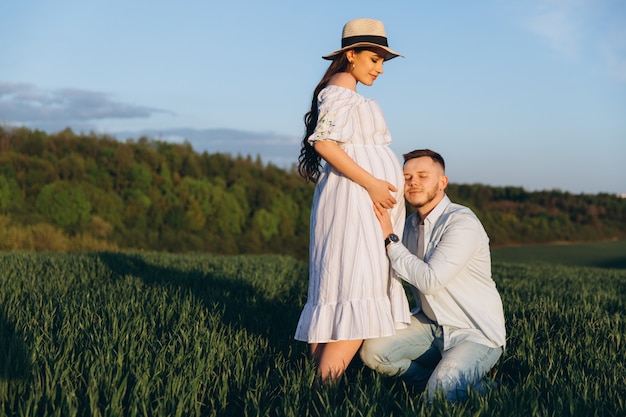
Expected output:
(335, 121)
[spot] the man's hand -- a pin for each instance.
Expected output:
(383, 218)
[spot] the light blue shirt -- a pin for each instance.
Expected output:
(455, 276)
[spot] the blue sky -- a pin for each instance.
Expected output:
(528, 93)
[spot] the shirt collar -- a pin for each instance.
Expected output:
(434, 215)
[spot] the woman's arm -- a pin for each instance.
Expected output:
(377, 189)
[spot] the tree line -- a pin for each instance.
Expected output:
(71, 192)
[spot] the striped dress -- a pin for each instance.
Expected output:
(352, 292)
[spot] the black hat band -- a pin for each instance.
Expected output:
(378, 40)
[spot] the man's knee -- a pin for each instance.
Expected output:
(448, 380)
(454, 380)
(372, 354)
(375, 355)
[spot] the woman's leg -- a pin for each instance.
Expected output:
(333, 358)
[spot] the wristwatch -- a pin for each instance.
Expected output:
(391, 238)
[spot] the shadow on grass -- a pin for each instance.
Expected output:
(14, 356)
(613, 263)
(606, 255)
(243, 306)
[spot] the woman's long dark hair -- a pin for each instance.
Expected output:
(309, 161)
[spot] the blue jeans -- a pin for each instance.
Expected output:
(416, 355)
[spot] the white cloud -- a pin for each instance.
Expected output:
(562, 24)
(592, 31)
(22, 103)
(281, 150)
(613, 49)
(559, 29)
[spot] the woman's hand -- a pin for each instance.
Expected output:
(379, 191)
(383, 218)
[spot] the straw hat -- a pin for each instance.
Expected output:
(362, 33)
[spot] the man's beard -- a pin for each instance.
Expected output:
(430, 196)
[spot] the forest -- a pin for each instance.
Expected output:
(89, 192)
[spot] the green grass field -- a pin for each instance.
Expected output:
(112, 334)
(595, 254)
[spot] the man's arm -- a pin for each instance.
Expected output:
(454, 251)
(461, 239)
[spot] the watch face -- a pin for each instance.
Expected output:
(391, 238)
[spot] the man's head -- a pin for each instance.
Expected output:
(425, 179)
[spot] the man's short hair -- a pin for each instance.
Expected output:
(418, 153)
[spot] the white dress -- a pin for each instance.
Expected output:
(352, 292)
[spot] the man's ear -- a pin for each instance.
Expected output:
(443, 182)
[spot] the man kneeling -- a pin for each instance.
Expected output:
(457, 331)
